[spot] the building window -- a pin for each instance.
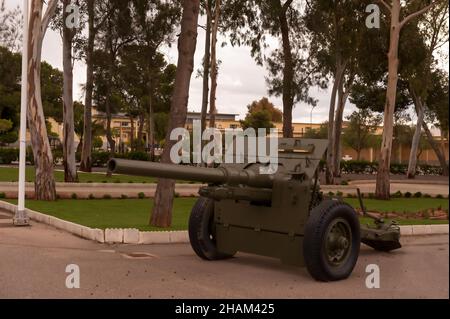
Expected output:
(125, 123)
(233, 126)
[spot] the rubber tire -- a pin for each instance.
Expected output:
(316, 226)
(199, 230)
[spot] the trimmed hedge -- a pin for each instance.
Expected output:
(365, 167)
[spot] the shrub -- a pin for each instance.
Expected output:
(358, 167)
(100, 158)
(138, 156)
(397, 194)
(8, 155)
(91, 196)
(97, 142)
(344, 182)
(176, 194)
(417, 194)
(107, 196)
(57, 156)
(426, 195)
(339, 194)
(2, 195)
(74, 196)
(439, 196)
(141, 195)
(365, 167)
(123, 196)
(399, 168)
(407, 195)
(330, 194)
(371, 195)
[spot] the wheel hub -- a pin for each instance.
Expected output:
(338, 242)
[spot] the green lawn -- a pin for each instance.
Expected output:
(134, 213)
(112, 213)
(11, 174)
(400, 205)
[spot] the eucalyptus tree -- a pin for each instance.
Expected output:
(291, 72)
(43, 159)
(205, 7)
(96, 17)
(11, 24)
(162, 210)
(436, 111)
(67, 21)
(427, 36)
(400, 15)
(114, 33)
(155, 23)
(337, 31)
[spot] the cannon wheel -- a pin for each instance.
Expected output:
(331, 241)
(201, 230)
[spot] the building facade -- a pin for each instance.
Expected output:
(122, 131)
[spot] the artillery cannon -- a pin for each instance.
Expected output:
(281, 215)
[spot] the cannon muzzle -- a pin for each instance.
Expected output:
(221, 175)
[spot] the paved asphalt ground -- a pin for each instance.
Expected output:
(33, 262)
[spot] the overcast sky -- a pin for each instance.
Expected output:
(240, 81)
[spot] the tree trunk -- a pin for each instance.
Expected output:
(383, 180)
(338, 78)
(288, 70)
(44, 185)
(162, 211)
(382, 190)
(206, 68)
(433, 144)
(132, 143)
(86, 152)
(69, 162)
(342, 100)
(212, 97)
(151, 124)
(109, 135)
(416, 139)
(140, 133)
(80, 145)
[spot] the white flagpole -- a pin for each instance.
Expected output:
(21, 218)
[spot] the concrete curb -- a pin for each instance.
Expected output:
(401, 181)
(79, 230)
(134, 236)
(109, 235)
(415, 230)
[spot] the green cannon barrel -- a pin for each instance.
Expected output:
(221, 175)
